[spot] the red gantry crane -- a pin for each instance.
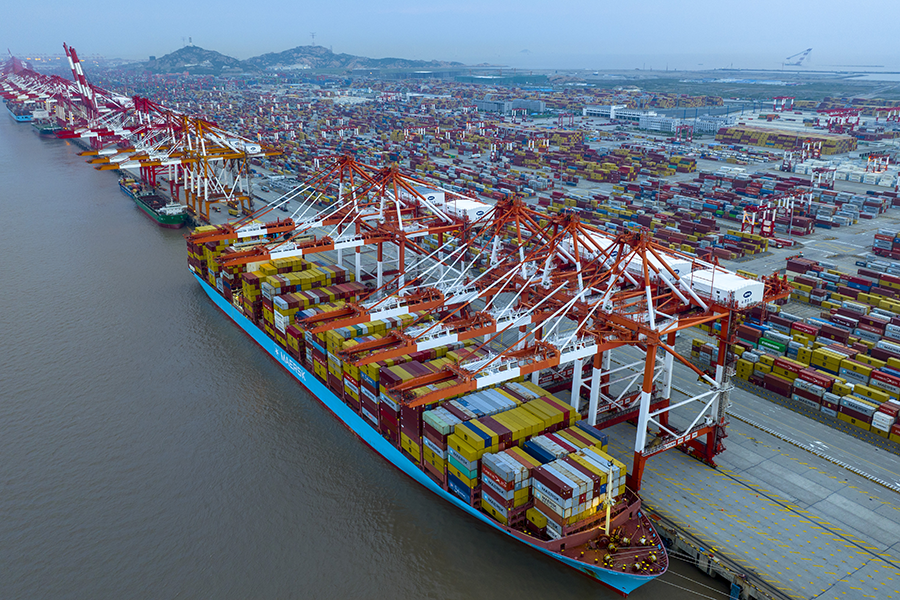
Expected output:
(533, 294)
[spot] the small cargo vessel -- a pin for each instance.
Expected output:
(45, 128)
(165, 213)
(513, 456)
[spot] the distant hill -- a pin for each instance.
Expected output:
(318, 57)
(199, 61)
(194, 60)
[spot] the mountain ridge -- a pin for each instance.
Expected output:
(200, 61)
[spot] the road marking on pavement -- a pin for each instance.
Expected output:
(817, 452)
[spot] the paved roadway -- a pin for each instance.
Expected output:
(779, 503)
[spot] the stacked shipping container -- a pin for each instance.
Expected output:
(845, 363)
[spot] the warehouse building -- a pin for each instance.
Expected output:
(654, 122)
(607, 111)
(504, 107)
(532, 106)
(619, 113)
(712, 123)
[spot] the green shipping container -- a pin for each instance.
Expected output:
(772, 345)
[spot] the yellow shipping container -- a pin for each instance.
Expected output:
(784, 373)
(856, 367)
(841, 388)
(856, 422)
(767, 359)
(468, 452)
(874, 362)
(471, 483)
(876, 395)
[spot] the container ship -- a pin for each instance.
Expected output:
(448, 362)
(515, 456)
(18, 111)
(165, 213)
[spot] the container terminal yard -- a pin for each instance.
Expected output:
(733, 300)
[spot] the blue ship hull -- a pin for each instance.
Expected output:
(623, 583)
(18, 118)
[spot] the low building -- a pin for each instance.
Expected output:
(503, 107)
(606, 111)
(532, 106)
(619, 113)
(712, 123)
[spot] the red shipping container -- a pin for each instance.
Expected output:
(562, 490)
(885, 378)
(816, 378)
(503, 432)
(834, 333)
(883, 355)
(411, 421)
(564, 443)
(806, 394)
(830, 405)
(804, 328)
(777, 384)
(434, 435)
(891, 408)
(506, 485)
(387, 416)
(855, 414)
(369, 405)
(432, 470)
(788, 365)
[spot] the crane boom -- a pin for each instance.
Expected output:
(800, 56)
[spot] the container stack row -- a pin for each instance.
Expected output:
(844, 362)
(887, 244)
(784, 139)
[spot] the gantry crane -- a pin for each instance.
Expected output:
(783, 103)
(533, 293)
(204, 164)
(761, 218)
(841, 120)
(800, 56)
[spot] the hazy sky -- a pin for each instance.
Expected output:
(521, 33)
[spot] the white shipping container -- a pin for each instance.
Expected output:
(888, 387)
(471, 209)
(883, 421)
(806, 402)
(725, 287)
(859, 405)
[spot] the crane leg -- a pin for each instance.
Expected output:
(380, 266)
(640, 442)
(594, 401)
